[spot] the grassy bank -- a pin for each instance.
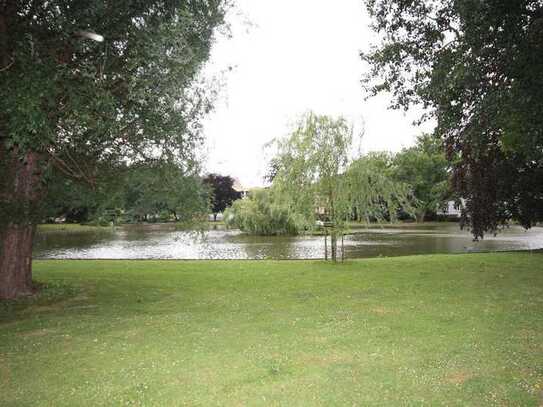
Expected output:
(422, 330)
(70, 228)
(76, 227)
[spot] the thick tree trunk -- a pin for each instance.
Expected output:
(16, 261)
(20, 194)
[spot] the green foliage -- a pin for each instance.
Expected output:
(374, 193)
(425, 168)
(82, 106)
(164, 191)
(77, 201)
(477, 66)
(310, 164)
(313, 176)
(261, 214)
(154, 191)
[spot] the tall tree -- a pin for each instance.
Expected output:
(375, 194)
(315, 175)
(164, 188)
(425, 168)
(477, 65)
(222, 192)
(309, 167)
(77, 104)
(156, 189)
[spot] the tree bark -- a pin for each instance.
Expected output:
(325, 245)
(20, 195)
(16, 261)
(333, 245)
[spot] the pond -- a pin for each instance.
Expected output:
(164, 241)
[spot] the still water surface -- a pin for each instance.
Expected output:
(165, 242)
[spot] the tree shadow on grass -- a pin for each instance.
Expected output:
(48, 296)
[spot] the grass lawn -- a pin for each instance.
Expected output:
(77, 228)
(70, 227)
(421, 330)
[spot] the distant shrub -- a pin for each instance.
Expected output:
(260, 215)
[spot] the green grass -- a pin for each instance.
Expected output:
(71, 227)
(76, 228)
(218, 222)
(450, 330)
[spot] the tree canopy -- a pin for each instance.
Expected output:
(261, 214)
(375, 195)
(82, 106)
(79, 102)
(425, 168)
(315, 178)
(310, 163)
(222, 191)
(477, 66)
(165, 191)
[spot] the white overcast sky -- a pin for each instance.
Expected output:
(289, 57)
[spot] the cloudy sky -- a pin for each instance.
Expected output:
(289, 57)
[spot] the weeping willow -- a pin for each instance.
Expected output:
(261, 214)
(315, 178)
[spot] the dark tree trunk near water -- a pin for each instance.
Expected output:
(16, 261)
(333, 246)
(20, 195)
